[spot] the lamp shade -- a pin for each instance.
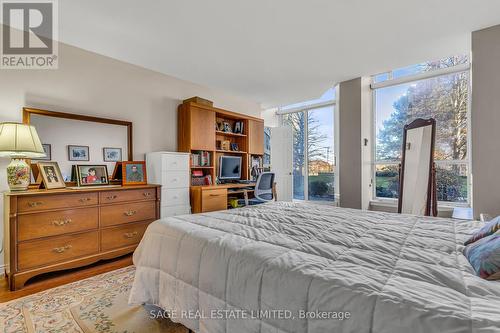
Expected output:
(20, 140)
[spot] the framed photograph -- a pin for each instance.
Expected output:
(234, 147)
(226, 127)
(117, 171)
(238, 127)
(112, 154)
(134, 173)
(51, 175)
(47, 149)
(78, 153)
(91, 175)
(219, 126)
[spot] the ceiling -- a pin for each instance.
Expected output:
(274, 51)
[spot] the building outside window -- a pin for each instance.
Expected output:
(437, 89)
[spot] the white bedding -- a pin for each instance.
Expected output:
(390, 272)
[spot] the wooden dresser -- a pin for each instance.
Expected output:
(50, 230)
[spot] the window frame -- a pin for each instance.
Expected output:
(305, 109)
(460, 68)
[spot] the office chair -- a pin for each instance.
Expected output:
(264, 190)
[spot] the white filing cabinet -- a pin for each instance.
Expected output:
(171, 171)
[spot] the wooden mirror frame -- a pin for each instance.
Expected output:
(431, 199)
(27, 112)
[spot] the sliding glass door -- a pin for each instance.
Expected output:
(313, 153)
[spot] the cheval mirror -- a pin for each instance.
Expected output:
(417, 181)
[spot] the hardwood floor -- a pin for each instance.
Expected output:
(55, 279)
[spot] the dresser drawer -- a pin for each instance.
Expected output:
(175, 197)
(122, 236)
(126, 213)
(127, 195)
(175, 162)
(175, 179)
(46, 202)
(31, 226)
(57, 249)
(213, 200)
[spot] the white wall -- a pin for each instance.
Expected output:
(485, 121)
(90, 84)
(271, 119)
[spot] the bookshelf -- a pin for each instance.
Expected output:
(202, 127)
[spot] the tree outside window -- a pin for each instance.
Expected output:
(444, 98)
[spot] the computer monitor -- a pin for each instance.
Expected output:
(229, 167)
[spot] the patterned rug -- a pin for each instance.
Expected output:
(97, 304)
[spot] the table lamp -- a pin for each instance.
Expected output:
(19, 141)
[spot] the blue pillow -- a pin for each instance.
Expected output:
(484, 256)
(488, 229)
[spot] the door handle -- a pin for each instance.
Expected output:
(60, 223)
(62, 248)
(130, 234)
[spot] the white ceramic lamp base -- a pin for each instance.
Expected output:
(18, 175)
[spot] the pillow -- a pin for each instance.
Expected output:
(489, 228)
(484, 256)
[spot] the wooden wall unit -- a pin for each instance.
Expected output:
(197, 131)
(256, 137)
(51, 230)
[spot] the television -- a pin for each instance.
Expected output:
(229, 167)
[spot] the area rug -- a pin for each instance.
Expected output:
(96, 304)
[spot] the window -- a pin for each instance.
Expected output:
(312, 125)
(444, 97)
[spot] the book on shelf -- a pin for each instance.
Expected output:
(200, 159)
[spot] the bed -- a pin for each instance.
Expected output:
(302, 267)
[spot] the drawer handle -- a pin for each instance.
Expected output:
(60, 223)
(130, 212)
(62, 248)
(130, 234)
(215, 195)
(147, 194)
(34, 203)
(85, 199)
(111, 197)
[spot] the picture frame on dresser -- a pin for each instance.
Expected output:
(50, 174)
(91, 175)
(134, 173)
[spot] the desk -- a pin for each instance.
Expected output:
(210, 198)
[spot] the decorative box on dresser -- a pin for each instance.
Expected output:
(51, 230)
(171, 170)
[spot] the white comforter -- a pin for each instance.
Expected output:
(351, 270)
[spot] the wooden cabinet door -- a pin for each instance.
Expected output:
(256, 137)
(202, 129)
